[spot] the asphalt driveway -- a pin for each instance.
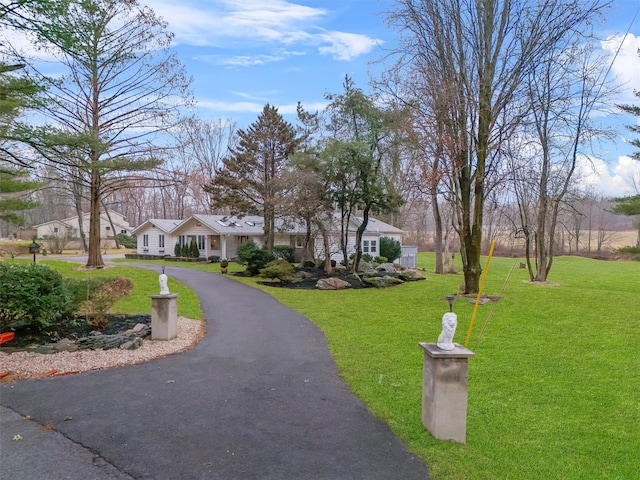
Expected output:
(258, 398)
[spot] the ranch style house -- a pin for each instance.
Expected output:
(220, 235)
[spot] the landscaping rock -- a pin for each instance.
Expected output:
(132, 344)
(364, 266)
(332, 283)
(386, 267)
(382, 282)
(65, 345)
(410, 276)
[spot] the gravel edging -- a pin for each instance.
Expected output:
(25, 364)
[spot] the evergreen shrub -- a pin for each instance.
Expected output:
(285, 252)
(390, 248)
(31, 295)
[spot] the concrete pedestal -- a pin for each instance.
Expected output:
(164, 316)
(444, 391)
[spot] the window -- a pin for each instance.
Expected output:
(201, 242)
(55, 229)
(182, 240)
(108, 228)
(215, 242)
(370, 246)
(243, 238)
(161, 241)
(299, 242)
(145, 240)
(124, 232)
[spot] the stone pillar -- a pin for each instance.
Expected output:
(444, 391)
(164, 316)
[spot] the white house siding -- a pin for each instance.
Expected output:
(154, 248)
(191, 231)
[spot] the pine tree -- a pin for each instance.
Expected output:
(250, 181)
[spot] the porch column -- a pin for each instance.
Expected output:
(223, 246)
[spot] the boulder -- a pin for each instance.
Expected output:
(65, 345)
(132, 344)
(364, 266)
(386, 267)
(410, 276)
(332, 283)
(382, 282)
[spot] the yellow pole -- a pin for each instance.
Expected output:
(475, 308)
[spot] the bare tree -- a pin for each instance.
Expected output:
(564, 92)
(482, 52)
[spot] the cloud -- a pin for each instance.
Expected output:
(626, 65)
(609, 180)
(256, 107)
(345, 46)
(251, 23)
(239, 60)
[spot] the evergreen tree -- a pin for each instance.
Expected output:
(251, 180)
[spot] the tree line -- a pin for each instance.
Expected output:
(483, 111)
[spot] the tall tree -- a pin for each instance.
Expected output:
(17, 93)
(250, 180)
(122, 92)
(483, 51)
(564, 92)
(361, 141)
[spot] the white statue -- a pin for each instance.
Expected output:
(164, 287)
(449, 324)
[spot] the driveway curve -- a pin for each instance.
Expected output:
(259, 397)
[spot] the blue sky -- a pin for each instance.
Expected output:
(243, 54)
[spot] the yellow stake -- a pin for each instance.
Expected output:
(475, 308)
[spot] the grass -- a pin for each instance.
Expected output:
(554, 389)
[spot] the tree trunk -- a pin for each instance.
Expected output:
(437, 218)
(113, 228)
(94, 257)
(359, 233)
(83, 235)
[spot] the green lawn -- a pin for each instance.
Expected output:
(554, 389)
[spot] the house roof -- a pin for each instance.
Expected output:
(252, 225)
(65, 221)
(164, 224)
(378, 226)
(52, 222)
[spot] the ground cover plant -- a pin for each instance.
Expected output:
(554, 390)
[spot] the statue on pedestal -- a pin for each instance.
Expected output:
(449, 324)
(164, 287)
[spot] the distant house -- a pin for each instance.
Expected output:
(70, 227)
(220, 235)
